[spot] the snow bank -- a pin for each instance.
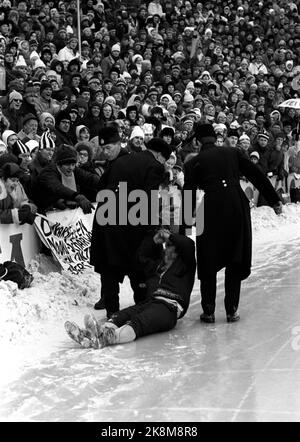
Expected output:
(24, 314)
(30, 317)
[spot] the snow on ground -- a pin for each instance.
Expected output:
(31, 320)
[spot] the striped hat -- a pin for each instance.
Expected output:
(19, 148)
(46, 142)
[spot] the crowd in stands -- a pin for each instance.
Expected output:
(154, 69)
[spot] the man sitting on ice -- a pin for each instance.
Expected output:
(169, 264)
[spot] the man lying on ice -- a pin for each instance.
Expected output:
(169, 264)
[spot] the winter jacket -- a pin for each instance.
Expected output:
(8, 206)
(49, 188)
(178, 280)
(15, 119)
(63, 137)
(276, 163)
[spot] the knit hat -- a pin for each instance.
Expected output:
(147, 129)
(6, 134)
(20, 62)
(137, 132)
(116, 47)
(159, 145)
(19, 148)
(65, 155)
(10, 170)
(14, 95)
(263, 135)
(32, 145)
(219, 127)
(244, 137)
(46, 142)
(109, 134)
(188, 97)
(255, 154)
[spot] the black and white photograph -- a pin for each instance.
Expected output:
(149, 214)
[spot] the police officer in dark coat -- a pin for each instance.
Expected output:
(114, 245)
(226, 240)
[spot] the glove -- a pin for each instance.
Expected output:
(84, 203)
(25, 215)
(278, 208)
(60, 204)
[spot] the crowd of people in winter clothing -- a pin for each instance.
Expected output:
(154, 69)
(117, 92)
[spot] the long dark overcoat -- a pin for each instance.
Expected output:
(227, 236)
(115, 246)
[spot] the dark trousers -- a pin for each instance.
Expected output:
(148, 317)
(110, 288)
(208, 287)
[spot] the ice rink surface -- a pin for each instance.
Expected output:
(246, 371)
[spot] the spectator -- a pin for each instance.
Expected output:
(30, 128)
(13, 111)
(14, 203)
(62, 128)
(63, 184)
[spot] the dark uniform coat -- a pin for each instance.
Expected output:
(227, 237)
(116, 245)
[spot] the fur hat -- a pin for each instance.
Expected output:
(44, 116)
(109, 134)
(159, 145)
(11, 170)
(204, 131)
(65, 155)
(232, 133)
(29, 117)
(62, 115)
(167, 131)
